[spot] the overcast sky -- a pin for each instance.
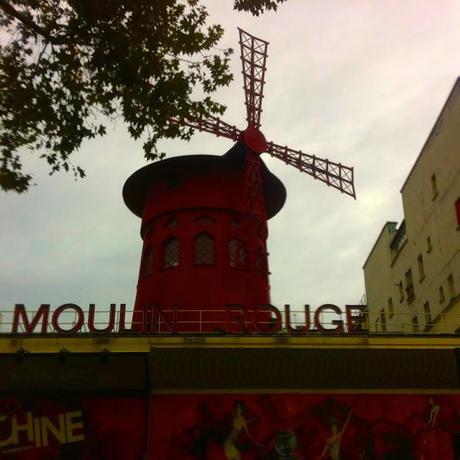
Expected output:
(359, 82)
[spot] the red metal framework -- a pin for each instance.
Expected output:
(252, 229)
(253, 59)
(333, 174)
(251, 232)
(211, 125)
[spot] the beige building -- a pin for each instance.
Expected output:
(412, 273)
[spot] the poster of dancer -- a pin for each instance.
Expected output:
(305, 427)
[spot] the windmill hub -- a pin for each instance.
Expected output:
(254, 139)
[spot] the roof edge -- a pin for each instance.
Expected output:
(378, 238)
(454, 89)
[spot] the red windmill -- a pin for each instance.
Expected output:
(204, 217)
(252, 225)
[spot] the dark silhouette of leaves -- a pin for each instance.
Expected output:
(69, 66)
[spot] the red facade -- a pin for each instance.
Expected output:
(232, 426)
(302, 427)
(190, 208)
(79, 428)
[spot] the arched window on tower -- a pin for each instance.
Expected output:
(204, 249)
(171, 252)
(236, 253)
(204, 220)
(147, 261)
(172, 222)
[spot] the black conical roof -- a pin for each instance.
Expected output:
(138, 185)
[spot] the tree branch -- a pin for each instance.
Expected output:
(28, 22)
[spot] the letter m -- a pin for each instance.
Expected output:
(20, 315)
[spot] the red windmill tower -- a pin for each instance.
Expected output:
(204, 218)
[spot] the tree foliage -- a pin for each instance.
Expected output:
(257, 6)
(67, 66)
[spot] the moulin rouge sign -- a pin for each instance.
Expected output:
(234, 319)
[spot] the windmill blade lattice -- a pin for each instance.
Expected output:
(333, 174)
(253, 59)
(211, 125)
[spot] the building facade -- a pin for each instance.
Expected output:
(175, 387)
(412, 274)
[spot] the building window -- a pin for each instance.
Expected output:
(441, 294)
(434, 186)
(401, 291)
(377, 325)
(172, 223)
(415, 328)
(409, 286)
(450, 286)
(399, 240)
(147, 261)
(204, 220)
(236, 253)
(390, 308)
(421, 270)
(171, 252)
(383, 320)
(457, 211)
(427, 311)
(428, 244)
(204, 249)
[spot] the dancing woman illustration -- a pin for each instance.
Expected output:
(240, 424)
(434, 411)
(332, 446)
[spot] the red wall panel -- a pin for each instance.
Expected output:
(297, 426)
(72, 428)
(233, 427)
